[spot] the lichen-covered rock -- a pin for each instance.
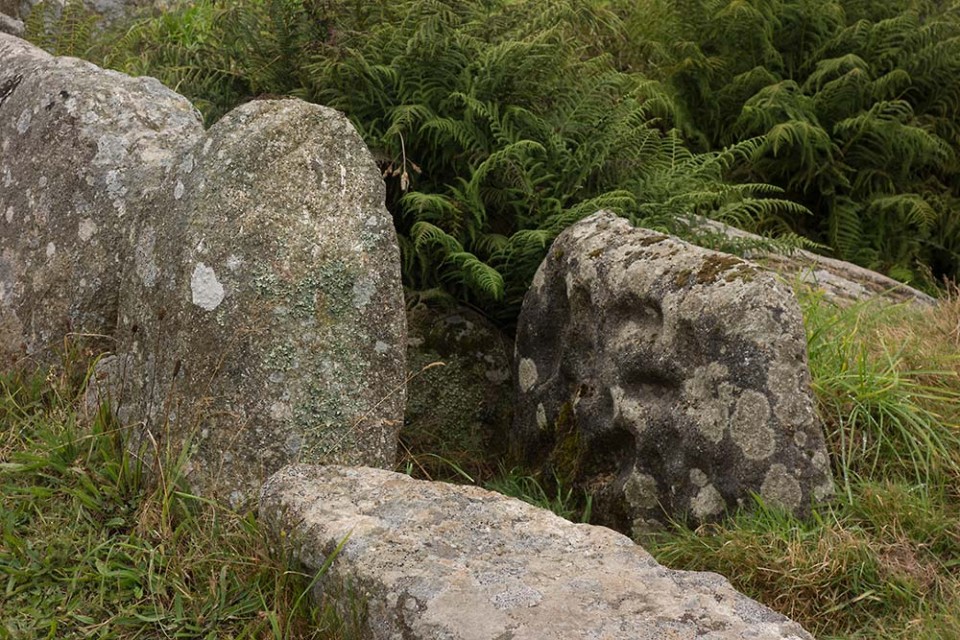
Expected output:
(247, 279)
(433, 560)
(460, 409)
(81, 149)
(263, 312)
(109, 9)
(669, 380)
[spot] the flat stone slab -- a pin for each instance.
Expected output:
(434, 560)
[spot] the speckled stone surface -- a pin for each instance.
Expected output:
(246, 278)
(275, 292)
(668, 380)
(433, 560)
(81, 149)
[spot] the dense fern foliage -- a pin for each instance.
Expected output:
(856, 102)
(496, 123)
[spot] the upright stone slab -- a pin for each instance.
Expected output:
(263, 318)
(668, 380)
(247, 278)
(81, 150)
(428, 560)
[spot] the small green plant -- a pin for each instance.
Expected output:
(561, 500)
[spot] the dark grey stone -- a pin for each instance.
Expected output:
(668, 380)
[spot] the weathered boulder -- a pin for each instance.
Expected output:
(265, 304)
(840, 282)
(461, 410)
(434, 560)
(109, 9)
(81, 150)
(247, 279)
(669, 380)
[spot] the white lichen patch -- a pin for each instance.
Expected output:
(51, 249)
(628, 411)
(527, 374)
(178, 190)
(780, 488)
(698, 477)
(542, 422)
(86, 229)
(281, 411)
(362, 293)
(381, 347)
(9, 215)
(708, 502)
(207, 292)
(709, 399)
(111, 151)
(234, 262)
(114, 182)
(187, 165)
(750, 426)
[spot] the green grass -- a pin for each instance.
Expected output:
(88, 549)
(882, 561)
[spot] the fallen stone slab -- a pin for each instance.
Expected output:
(840, 282)
(433, 560)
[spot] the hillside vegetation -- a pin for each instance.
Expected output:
(497, 123)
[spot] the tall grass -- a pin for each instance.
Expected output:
(89, 549)
(883, 561)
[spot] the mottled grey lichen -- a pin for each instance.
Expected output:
(661, 359)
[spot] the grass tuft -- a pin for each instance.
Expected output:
(89, 549)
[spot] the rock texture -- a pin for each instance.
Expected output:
(109, 9)
(432, 560)
(81, 152)
(840, 282)
(667, 379)
(268, 268)
(246, 278)
(10, 25)
(464, 406)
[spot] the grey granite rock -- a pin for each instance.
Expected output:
(10, 25)
(81, 150)
(668, 380)
(246, 279)
(267, 270)
(433, 560)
